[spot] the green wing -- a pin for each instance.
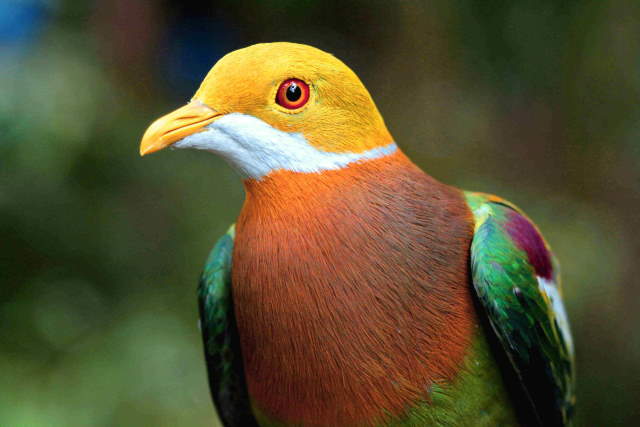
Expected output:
(517, 283)
(220, 336)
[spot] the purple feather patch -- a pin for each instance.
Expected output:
(529, 240)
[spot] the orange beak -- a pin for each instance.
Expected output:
(176, 125)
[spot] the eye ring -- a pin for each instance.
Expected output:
(292, 94)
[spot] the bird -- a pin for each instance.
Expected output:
(354, 289)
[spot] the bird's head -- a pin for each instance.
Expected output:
(277, 106)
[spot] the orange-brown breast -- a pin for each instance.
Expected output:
(351, 291)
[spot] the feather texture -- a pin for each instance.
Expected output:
(351, 291)
(516, 280)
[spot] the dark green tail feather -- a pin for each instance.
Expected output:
(220, 337)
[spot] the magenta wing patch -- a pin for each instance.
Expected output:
(527, 238)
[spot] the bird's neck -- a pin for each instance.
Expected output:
(283, 188)
(351, 290)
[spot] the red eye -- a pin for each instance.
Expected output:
(292, 94)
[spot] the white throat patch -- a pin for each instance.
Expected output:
(255, 148)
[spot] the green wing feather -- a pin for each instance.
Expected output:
(517, 283)
(220, 336)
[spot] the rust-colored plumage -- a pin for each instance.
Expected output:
(351, 290)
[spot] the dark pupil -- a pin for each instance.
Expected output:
(294, 92)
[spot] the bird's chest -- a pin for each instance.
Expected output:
(342, 324)
(350, 314)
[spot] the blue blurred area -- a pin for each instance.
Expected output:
(20, 22)
(193, 45)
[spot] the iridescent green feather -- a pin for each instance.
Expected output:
(221, 347)
(524, 309)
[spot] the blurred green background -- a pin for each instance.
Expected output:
(537, 101)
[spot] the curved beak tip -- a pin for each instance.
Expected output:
(143, 151)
